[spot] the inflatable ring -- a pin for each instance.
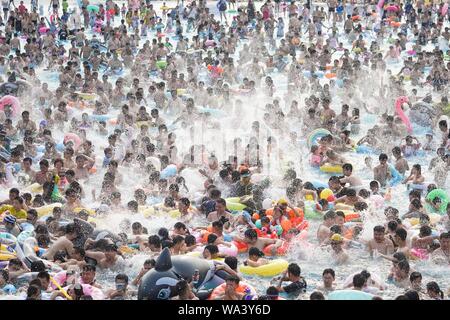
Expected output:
(13, 102)
(418, 253)
(241, 246)
(330, 75)
(331, 169)
(169, 172)
(315, 135)
(234, 206)
(351, 216)
(93, 8)
(161, 64)
(48, 209)
(280, 251)
(273, 268)
(441, 194)
(349, 295)
(74, 138)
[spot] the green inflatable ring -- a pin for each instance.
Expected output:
(235, 206)
(161, 64)
(310, 213)
(441, 194)
(93, 8)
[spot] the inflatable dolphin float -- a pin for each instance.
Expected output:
(159, 283)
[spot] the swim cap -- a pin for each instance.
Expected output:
(9, 218)
(337, 237)
(282, 201)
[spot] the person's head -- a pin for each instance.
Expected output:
(137, 228)
(251, 236)
(121, 282)
(180, 228)
(329, 218)
(254, 254)
(232, 262)
(378, 234)
(347, 169)
(294, 271)
(317, 295)
(182, 287)
(400, 235)
(383, 158)
(154, 243)
(34, 292)
(416, 280)
(110, 251)
(210, 251)
(444, 240)
(328, 277)
(45, 279)
(4, 277)
(88, 274)
(434, 291)
(402, 269)
(359, 281)
(412, 295)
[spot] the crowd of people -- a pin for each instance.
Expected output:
(242, 133)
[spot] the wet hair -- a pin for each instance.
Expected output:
(190, 240)
(212, 238)
(122, 276)
(415, 275)
(213, 249)
(329, 215)
(403, 265)
(434, 287)
(425, 231)
(154, 240)
(392, 225)
(359, 280)
(294, 269)
(401, 233)
(251, 233)
(317, 295)
(329, 271)
(163, 233)
(232, 262)
(379, 229)
(412, 295)
(253, 251)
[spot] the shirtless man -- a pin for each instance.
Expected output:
(339, 255)
(324, 233)
(252, 240)
(221, 211)
(63, 243)
(352, 180)
(230, 293)
(381, 172)
(401, 164)
(380, 243)
(442, 255)
(107, 259)
(82, 169)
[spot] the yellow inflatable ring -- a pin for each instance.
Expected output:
(48, 209)
(271, 269)
(331, 169)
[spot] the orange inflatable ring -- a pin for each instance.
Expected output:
(290, 212)
(242, 288)
(282, 250)
(330, 75)
(204, 238)
(350, 216)
(355, 18)
(395, 24)
(328, 67)
(93, 170)
(242, 246)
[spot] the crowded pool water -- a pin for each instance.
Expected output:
(236, 122)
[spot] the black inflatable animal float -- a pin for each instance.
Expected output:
(159, 283)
